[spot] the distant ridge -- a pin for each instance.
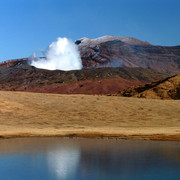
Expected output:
(111, 51)
(91, 42)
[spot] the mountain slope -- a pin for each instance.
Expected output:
(110, 64)
(110, 51)
(168, 88)
(22, 77)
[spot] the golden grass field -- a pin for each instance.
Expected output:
(37, 114)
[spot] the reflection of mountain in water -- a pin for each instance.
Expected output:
(125, 162)
(88, 159)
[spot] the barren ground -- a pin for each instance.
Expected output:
(36, 114)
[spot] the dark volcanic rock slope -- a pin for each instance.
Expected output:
(110, 51)
(22, 77)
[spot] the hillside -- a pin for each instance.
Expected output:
(39, 114)
(19, 76)
(168, 88)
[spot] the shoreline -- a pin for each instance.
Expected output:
(155, 137)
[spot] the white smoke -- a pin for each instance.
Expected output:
(62, 54)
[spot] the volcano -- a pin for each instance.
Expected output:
(110, 51)
(110, 64)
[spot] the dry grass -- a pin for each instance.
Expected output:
(31, 114)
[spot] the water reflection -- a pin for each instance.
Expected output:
(86, 159)
(64, 161)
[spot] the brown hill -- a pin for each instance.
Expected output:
(168, 88)
(20, 76)
(33, 114)
(110, 51)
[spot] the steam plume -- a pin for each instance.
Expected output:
(62, 54)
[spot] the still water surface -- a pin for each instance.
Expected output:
(88, 159)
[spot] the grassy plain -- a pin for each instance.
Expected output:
(38, 114)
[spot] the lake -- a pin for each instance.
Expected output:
(88, 159)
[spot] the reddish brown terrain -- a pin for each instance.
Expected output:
(103, 86)
(10, 63)
(20, 76)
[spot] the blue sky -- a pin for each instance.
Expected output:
(30, 25)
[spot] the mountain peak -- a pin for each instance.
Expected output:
(92, 42)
